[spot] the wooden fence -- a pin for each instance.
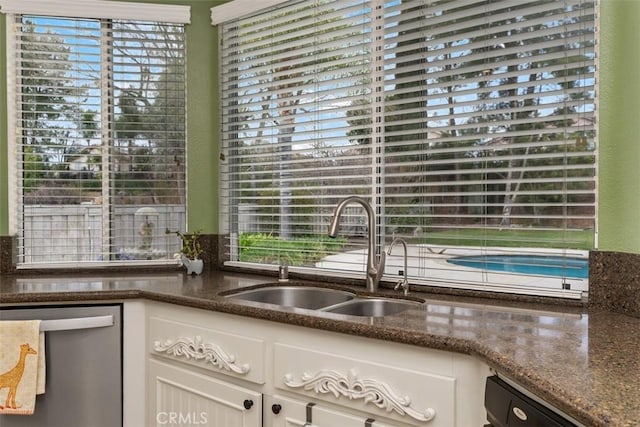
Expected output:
(67, 233)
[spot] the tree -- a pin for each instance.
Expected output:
(285, 79)
(43, 99)
(517, 104)
(150, 126)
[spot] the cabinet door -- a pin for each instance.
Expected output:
(296, 413)
(382, 390)
(179, 396)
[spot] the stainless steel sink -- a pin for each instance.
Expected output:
(295, 296)
(326, 300)
(373, 307)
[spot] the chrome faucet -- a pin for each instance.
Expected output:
(375, 267)
(404, 282)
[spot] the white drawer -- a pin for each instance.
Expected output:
(215, 350)
(392, 391)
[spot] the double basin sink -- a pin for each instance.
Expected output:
(326, 300)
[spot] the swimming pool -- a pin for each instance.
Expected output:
(560, 266)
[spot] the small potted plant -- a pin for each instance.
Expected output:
(190, 251)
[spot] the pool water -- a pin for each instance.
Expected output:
(576, 268)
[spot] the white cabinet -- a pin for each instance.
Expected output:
(200, 374)
(204, 364)
(134, 377)
(378, 389)
(226, 352)
(186, 398)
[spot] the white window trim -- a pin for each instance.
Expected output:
(12, 171)
(238, 8)
(99, 9)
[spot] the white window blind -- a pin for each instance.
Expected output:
(470, 126)
(100, 140)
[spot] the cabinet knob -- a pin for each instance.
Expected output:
(276, 408)
(248, 404)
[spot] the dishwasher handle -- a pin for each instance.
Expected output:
(76, 323)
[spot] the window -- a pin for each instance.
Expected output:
(469, 126)
(99, 120)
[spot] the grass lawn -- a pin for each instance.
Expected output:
(267, 249)
(512, 237)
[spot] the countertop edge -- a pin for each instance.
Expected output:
(575, 406)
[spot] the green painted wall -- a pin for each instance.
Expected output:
(202, 129)
(619, 125)
(619, 121)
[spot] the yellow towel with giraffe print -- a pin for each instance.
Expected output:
(22, 366)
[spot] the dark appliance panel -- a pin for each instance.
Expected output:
(508, 407)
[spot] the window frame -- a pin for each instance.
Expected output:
(102, 11)
(375, 195)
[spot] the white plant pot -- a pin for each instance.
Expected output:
(193, 266)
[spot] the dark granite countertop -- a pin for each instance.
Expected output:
(585, 362)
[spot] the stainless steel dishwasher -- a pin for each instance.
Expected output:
(83, 350)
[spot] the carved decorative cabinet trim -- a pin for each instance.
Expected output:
(197, 349)
(350, 386)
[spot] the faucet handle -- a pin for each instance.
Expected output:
(283, 273)
(404, 285)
